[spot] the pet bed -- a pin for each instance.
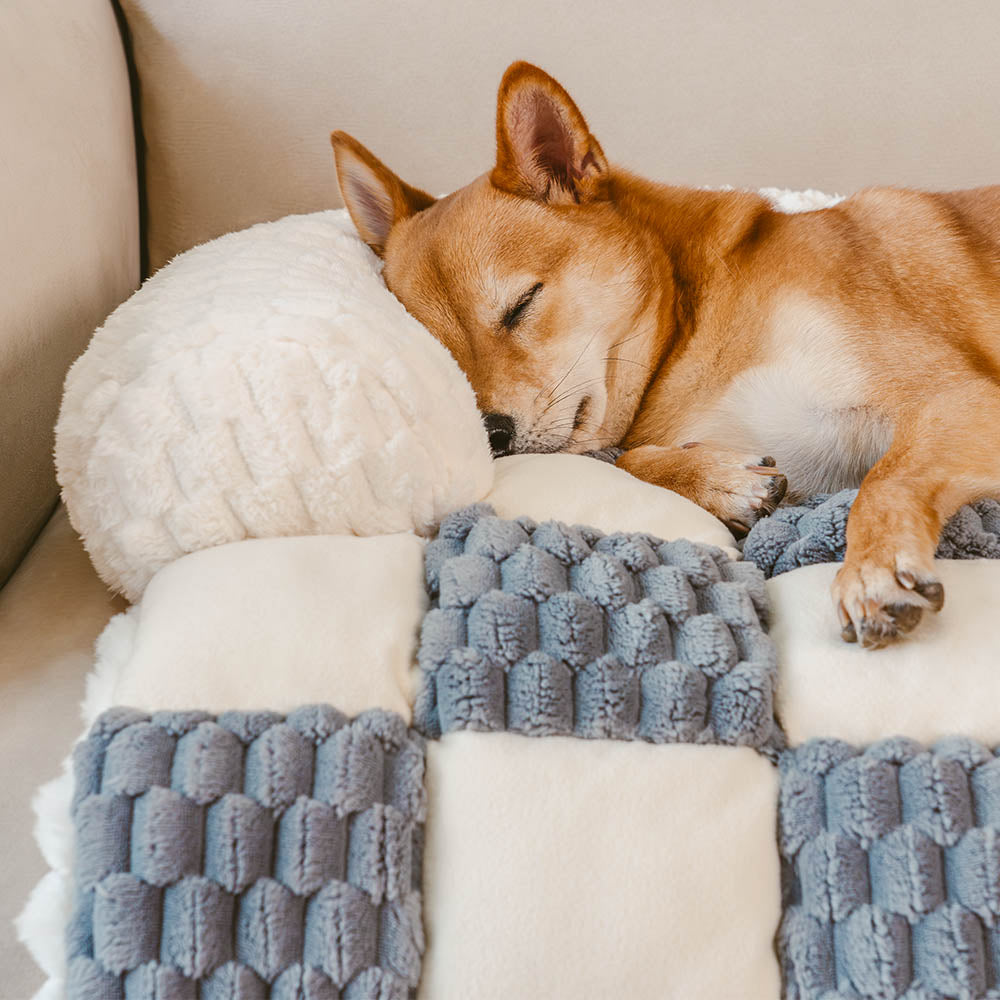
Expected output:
(629, 864)
(544, 753)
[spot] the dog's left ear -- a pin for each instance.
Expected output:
(544, 149)
(375, 197)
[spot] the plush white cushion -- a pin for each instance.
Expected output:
(264, 384)
(277, 623)
(581, 490)
(943, 679)
(572, 869)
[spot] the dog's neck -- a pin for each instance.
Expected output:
(687, 235)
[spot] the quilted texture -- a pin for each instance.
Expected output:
(815, 532)
(549, 629)
(247, 856)
(264, 384)
(892, 871)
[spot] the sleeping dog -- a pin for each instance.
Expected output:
(703, 332)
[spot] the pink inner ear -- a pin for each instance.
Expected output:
(374, 207)
(543, 138)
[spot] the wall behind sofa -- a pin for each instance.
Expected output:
(239, 96)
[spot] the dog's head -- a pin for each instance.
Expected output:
(528, 275)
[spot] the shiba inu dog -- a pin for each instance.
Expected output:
(705, 332)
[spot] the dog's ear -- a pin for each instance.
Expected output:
(544, 149)
(376, 198)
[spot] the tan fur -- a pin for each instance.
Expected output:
(858, 344)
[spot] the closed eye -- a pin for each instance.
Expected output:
(516, 312)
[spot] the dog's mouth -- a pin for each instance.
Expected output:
(542, 441)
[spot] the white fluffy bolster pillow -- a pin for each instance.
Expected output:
(264, 384)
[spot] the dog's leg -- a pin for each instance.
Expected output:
(943, 455)
(738, 489)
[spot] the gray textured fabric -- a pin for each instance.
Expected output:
(550, 629)
(892, 871)
(610, 455)
(814, 532)
(247, 856)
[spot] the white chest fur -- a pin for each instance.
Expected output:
(806, 403)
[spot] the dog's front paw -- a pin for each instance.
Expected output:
(740, 489)
(881, 600)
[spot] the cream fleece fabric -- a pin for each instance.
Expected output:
(943, 679)
(264, 384)
(579, 490)
(571, 869)
(280, 622)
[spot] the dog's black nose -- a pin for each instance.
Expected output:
(500, 429)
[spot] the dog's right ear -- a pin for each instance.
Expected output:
(544, 149)
(375, 197)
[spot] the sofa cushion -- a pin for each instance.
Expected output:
(69, 250)
(51, 611)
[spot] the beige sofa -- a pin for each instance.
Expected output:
(132, 133)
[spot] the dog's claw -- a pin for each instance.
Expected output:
(771, 492)
(883, 625)
(932, 592)
(877, 632)
(739, 489)
(776, 492)
(738, 528)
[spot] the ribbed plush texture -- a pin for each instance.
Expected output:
(815, 532)
(264, 384)
(550, 629)
(892, 871)
(247, 856)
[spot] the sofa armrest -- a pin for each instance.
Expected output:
(69, 244)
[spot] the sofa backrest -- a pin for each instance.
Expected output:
(239, 96)
(69, 229)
